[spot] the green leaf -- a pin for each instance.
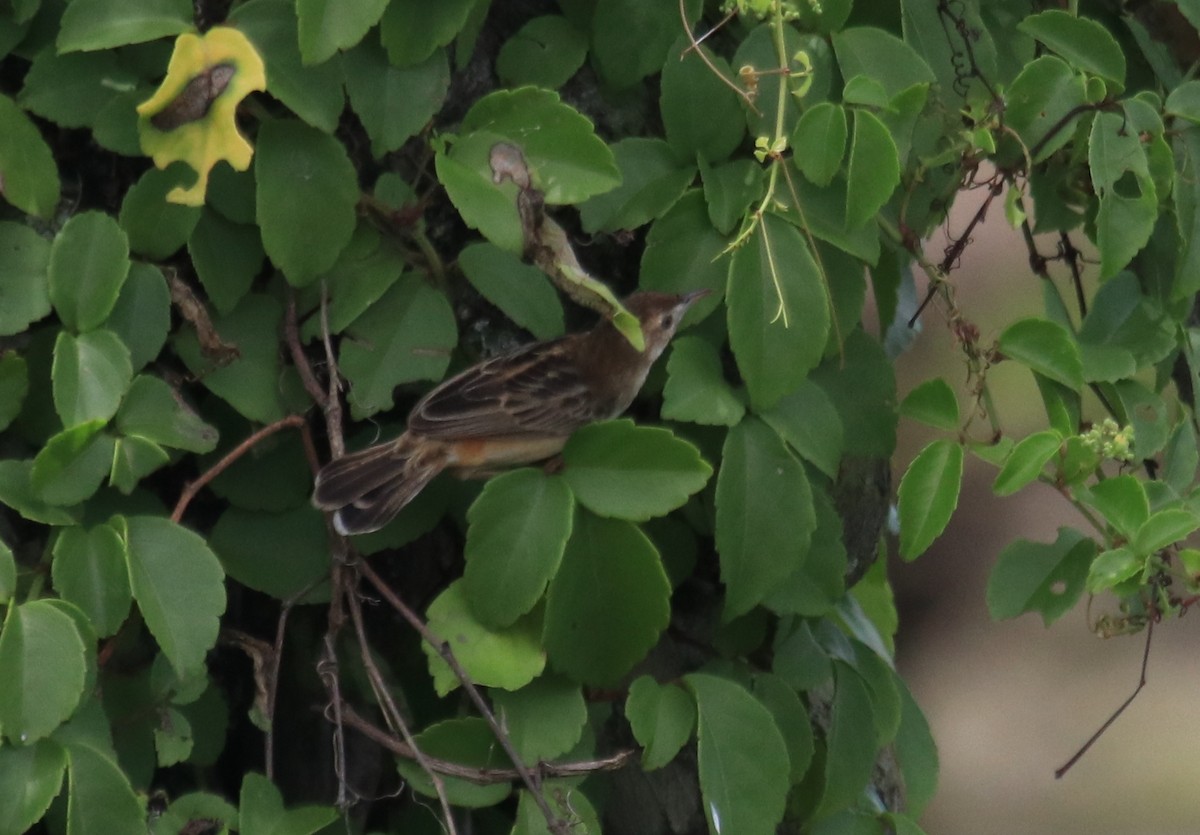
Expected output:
(932, 402)
(702, 116)
(1148, 415)
(8, 573)
(492, 209)
(545, 52)
(173, 738)
(42, 665)
(1110, 568)
(227, 256)
(30, 777)
(1083, 42)
(307, 194)
(298, 560)
(1026, 461)
(743, 763)
(1124, 329)
(917, 753)
(729, 190)
(819, 142)
(90, 375)
(696, 390)
(88, 263)
(133, 459)
(142, 314)
(16, 492)
(521, 291)
(566, 802)
(179, 587)
(250, 382)
(610, 574)
(1124, 225)
(1122, 501)
(874, 169)
(662, 717)
(566, 159)
(407, 335)
(519, 526)
(928, 495)
(880, 55)
(1114, 150)
(105, 24)
(470, 742)
(850, 741)
(325, 26)
(72, 89)
(158, 227)
(72, 464)
(314, 93)
(413, 29)
(1184, 101)
(815, 587)
(156, 412)
(1166, 527)
(684, 252)
(89, 571)
(765, 516)
(632, 39)
(394, 103)
(1045, 347)
(1040, 577)
(24, 289)
(28, 173)
(100, 800)
(509, 658)
(652, 179)
(791, 717)
(810, 424)
(632, 472)
(1042, 105)
(778, 310)
(544, 719)
(261, 812)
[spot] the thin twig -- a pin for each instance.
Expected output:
(695, 45)
(392, 713)
(328, 670)
(483, 776)
(1063, 769)
(192, 488)
(442, 647)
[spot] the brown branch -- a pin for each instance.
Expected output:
(291, 335)
(694, 45)
(483, 776)
(530, 779)
(192, 488)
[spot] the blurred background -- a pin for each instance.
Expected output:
(1010, 702)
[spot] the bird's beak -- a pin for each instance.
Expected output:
(695, 296)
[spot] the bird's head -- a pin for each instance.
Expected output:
(660, 315)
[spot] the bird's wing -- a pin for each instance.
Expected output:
(535, 390)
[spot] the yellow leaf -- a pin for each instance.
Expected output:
(191, 115)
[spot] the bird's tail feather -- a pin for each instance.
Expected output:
(368, 488)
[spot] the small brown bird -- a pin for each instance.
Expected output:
(513, 409)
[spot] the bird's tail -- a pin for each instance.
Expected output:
(368, 488)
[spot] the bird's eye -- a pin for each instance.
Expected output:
(667, 321)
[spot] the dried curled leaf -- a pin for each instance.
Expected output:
(547, 245)
(191, 117)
